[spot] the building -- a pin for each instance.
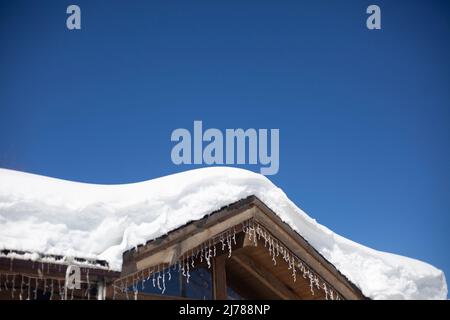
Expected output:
(215, 233)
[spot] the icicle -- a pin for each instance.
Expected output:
(234, 235)
(135, 290)
(29, 289)
(192, 261)
(265, 239)
(274, 255)
(21, 289)
(316, 282)
(61, 295)
(164, 283)
(331, 295)
(88, 285)
(214, 253)
(13, 289)
(188, 275)
(169, 273)
(324, 287)
(208, 257)
(288, 260)
(311, 283)
(153, 279)
(51, 290)
(183, 266)
(210, 252)
(301, 266)
(157, 281)
(229, 245)
(35, 288)
(294, 273)
(274, 260)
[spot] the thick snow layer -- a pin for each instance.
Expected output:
(54, 216)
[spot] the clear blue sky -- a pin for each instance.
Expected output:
(364, 116)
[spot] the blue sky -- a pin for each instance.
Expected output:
(364, 116)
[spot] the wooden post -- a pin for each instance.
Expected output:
(219, 278)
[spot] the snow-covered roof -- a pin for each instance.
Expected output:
(53, 216)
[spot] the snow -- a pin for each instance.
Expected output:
(62, 260)
(53, 216)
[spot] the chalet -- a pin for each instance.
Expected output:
(246, 249)
(243, 251)
(32, 276)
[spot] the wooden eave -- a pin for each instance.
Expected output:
(168, 249)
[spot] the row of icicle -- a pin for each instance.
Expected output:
(157, 275)
(255, 232)
(25, 287)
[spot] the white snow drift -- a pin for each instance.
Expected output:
(52, 216)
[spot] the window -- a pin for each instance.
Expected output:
(198, 287)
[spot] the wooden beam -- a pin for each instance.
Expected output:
(171, 254)
(265, 277)
(300, 247)
(219, 278)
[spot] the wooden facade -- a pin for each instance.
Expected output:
(249, 267)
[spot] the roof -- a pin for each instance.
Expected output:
(52, 216)
(248, 222)
(54, 259)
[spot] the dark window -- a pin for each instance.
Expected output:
(198, 287)
(200, 284)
